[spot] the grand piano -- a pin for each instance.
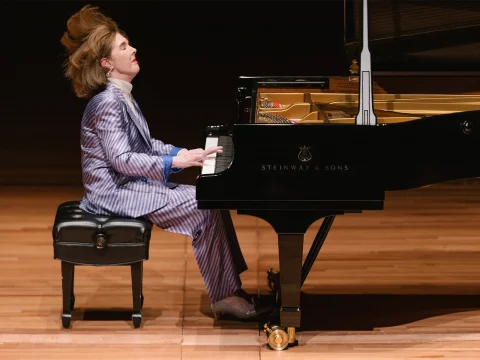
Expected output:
(405, 114)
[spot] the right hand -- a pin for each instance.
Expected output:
(194, 157)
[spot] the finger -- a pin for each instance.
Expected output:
(197, 151)
(213, 149)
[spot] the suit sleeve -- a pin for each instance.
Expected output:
(167, 150)
(160, 148)
(110, 127)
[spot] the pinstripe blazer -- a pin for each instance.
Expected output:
(124, 171)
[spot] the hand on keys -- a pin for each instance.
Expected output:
(195, 157)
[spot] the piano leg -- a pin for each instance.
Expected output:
(274, 276)
(290, 249)
(290, 227)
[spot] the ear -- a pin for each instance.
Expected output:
(106, 63)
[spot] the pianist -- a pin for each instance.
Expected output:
(125, 171)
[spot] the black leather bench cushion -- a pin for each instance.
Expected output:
(83, 238)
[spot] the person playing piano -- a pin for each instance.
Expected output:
(125, 171)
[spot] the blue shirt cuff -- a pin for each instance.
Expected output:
(167, 166)
(175, 150)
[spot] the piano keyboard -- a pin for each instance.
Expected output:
(218, 162)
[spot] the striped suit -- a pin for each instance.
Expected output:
(125, 172)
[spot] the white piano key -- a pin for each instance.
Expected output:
(210, 142)
(208, 169)
(209, 163)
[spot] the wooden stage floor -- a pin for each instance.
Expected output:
(402, 283)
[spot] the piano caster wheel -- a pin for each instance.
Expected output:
(273, 278)
(137, 320)
(72, 302)
(66, 320)
(278, 338)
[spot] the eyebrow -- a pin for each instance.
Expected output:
(123, 43)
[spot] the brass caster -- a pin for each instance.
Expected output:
(278, 338)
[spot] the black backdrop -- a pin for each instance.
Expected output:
(190, 54)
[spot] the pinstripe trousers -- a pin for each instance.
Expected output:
(215, 244)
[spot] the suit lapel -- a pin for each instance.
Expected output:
(139, 122)
(141, 118)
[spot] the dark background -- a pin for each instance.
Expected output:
(190, 54)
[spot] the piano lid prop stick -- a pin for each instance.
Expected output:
(366, 115)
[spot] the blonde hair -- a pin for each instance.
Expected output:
(89, 38)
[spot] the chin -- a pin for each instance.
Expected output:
(134, 72)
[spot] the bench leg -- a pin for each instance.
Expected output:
(67, 292)
(72, 296)
(141, 284)
(137, 272)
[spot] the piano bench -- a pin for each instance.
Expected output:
(81, 238)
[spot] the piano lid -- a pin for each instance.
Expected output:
(416, 35)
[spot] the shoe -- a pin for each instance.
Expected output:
(237, 306)
(242, 293)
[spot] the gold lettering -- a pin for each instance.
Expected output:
(293, 167)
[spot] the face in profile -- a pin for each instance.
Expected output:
(123, 60)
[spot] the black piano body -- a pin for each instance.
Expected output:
(338, 162)
(293, 174)
(296, 156)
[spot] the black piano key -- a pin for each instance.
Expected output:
(224, 159)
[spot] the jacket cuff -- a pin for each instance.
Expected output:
(174, 152)
(167, 166)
